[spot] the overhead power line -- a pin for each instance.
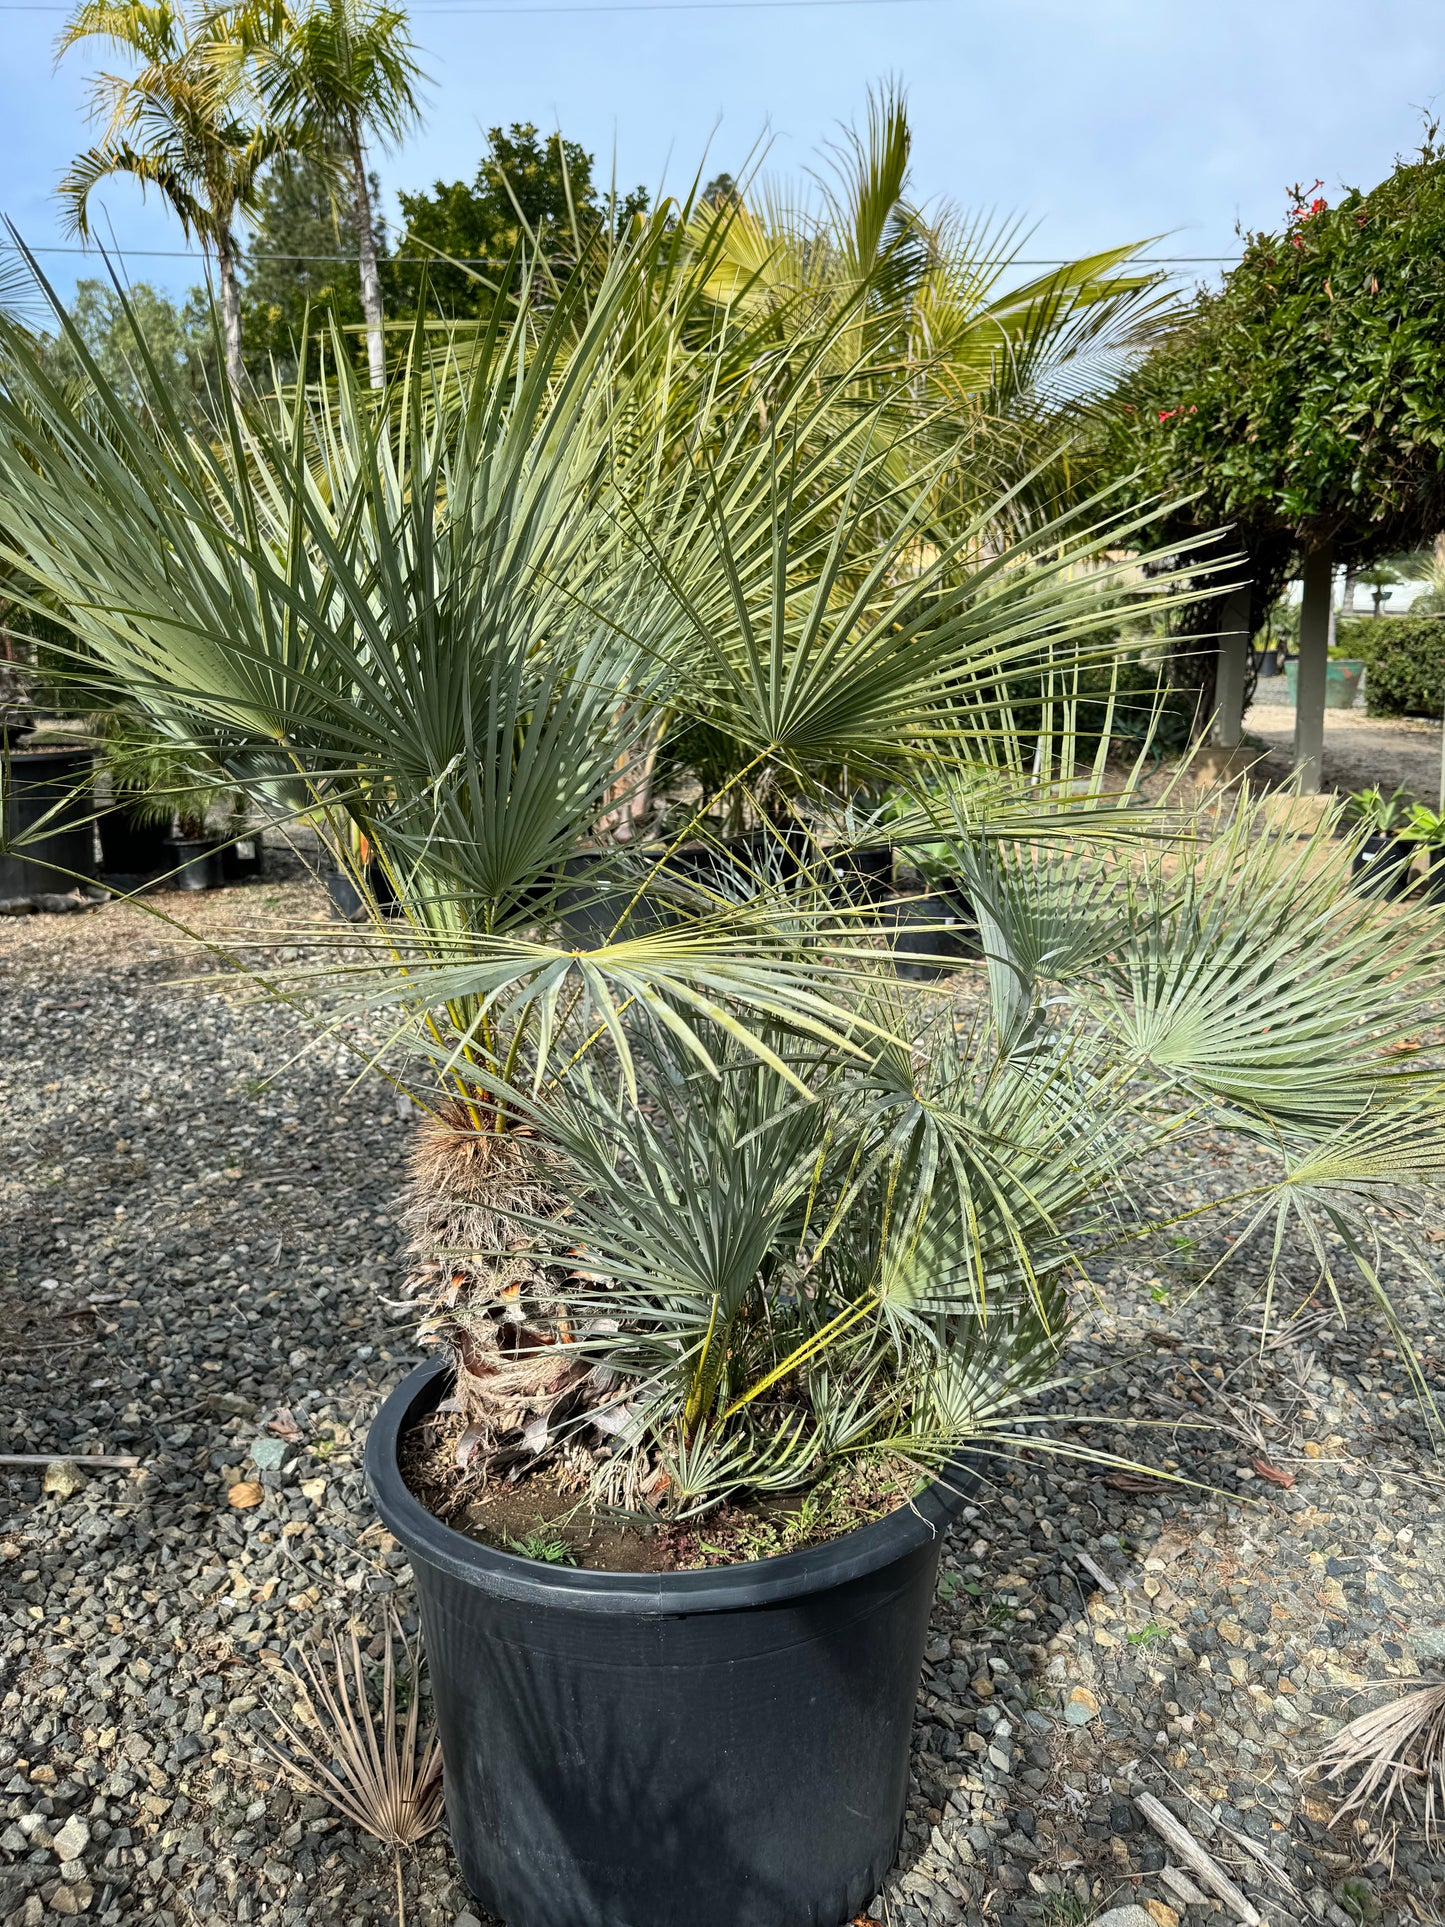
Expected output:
(482, 261)
(602, 6)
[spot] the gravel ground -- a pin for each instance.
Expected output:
(190, 1274)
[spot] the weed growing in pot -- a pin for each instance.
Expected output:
(546, 1546)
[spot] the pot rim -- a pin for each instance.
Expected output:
(754, 1582)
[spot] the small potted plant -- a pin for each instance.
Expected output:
(1383, 851)
(1425, 830)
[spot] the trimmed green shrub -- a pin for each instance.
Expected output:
(1405, 660)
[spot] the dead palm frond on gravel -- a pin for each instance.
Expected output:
(365, 1755)
(1394, 1753)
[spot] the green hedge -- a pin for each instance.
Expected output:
(1405, 657)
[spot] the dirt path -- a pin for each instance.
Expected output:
(1359, 749)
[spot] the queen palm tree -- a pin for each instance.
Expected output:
(331, 76)
(178, 126)
(1006, 360)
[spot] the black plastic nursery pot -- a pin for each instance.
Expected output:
(725, 1748)
(861, 876)
(602, 904)
(1381, 865)
(737, 867)
(932, 935)
(131, 849)
(597, 906)
(55, 861)
(346, 899)
(243, 859)
(196, 862)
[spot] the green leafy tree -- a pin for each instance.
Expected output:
(333, 76)
(176, 125)
(302, 263)
(528, 193)
(1302, 403)
(114, 329)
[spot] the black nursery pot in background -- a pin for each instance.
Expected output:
(933, 934)
(55, 861)
(725, 1748)
(1381, 865)
(860, 876)
(132, 849)
(346, 900)
(196, 862)
(243, 859)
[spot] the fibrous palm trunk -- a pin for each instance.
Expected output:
(370, 279)
(490, 1299)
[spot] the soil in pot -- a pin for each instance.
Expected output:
(539, 1515)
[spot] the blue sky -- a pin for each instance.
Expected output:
(1101, 121)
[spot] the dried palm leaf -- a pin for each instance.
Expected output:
(372, 1763)
(1395, 1751)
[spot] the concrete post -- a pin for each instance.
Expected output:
(1314, 656)
(1233, 662)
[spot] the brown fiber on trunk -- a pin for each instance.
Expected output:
(490, 1299)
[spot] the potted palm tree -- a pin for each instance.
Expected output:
(733, 1247)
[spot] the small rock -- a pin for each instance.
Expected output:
(268, 1455)
(72, 1839)
(1160, 1914)
(1125, 1917)
(1079, 1708)
(467, 1920)
(63, 1477)
(314, 1490)
(73, 1900)
(246, 1494)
